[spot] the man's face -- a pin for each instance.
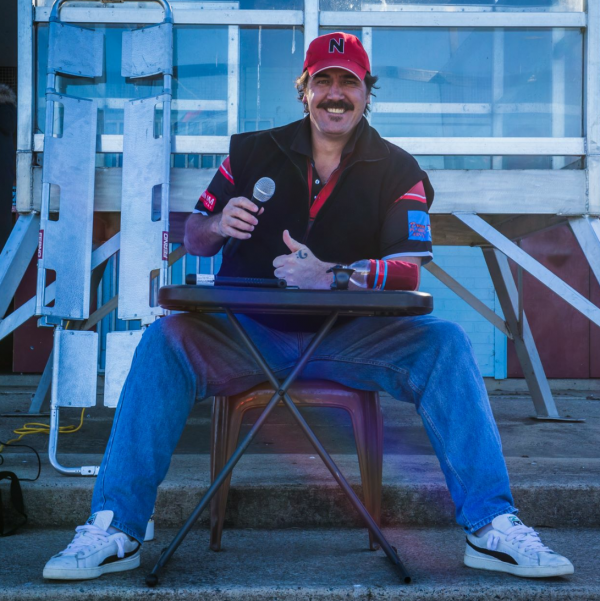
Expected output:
(336, 100)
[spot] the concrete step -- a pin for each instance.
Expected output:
(280, 482)
(403, 430)
(298, 565)
(283, 491)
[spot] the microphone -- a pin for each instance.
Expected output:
(263, 190)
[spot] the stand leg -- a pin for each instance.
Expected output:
(227, 429)
(327, 460)
(335, 472)
(152, 578)
(372, 461)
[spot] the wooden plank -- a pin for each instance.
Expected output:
(440, 18)
(480, 146)
(543, 191)
(486, 192)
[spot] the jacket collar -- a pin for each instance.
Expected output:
(365, 144)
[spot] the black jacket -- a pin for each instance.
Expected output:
(360, 220)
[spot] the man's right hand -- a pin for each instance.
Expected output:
(205, 236)
(237, 219)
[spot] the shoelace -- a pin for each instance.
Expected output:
(89, 534)
(527, 539)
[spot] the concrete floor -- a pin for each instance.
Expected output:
(281, 483)
(303, 564)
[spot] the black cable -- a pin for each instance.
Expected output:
(8, 446)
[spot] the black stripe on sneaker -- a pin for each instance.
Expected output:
(505, 557)
(114, 558)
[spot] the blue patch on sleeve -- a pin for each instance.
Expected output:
(419, 226)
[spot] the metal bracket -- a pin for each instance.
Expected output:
(120, 349)
(65, 246)
(144, 238)
(74, 377)
(74, 50)
(147, 51)
(74, 368)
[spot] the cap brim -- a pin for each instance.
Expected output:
(338, 63)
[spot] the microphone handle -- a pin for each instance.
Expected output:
(231, 246)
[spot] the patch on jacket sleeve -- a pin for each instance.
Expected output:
(419, 226)
(208, 200)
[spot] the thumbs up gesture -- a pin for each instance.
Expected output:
(301, 268)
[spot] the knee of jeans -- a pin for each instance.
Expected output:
(449, 335)
(166, 330)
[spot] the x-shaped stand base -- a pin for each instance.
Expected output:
(281, 394)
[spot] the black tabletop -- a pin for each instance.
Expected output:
(214, 299)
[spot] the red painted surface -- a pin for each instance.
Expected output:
(568, 343)
(32, 345)
(594, 330)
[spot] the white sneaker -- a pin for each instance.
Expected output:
(512, 547)
(94, 552)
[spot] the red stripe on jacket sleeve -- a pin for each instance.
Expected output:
(417, 192)
(401, 275)
(225, 170)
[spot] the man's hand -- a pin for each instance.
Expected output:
(237, 220)
(205, 236)
(301, 268)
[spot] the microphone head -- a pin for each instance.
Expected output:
(264, 189)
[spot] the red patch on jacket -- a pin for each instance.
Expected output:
(208, 200)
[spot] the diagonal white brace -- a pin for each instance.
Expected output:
(16, 256)
(107, 250)
(468, 297)
(18, 317)
(587, 232)
(527, 353)
(529, 264)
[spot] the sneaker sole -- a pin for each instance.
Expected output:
(483, 563)
(89, 573)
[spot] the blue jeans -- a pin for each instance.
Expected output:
(423, 360)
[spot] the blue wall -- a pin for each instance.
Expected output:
(468, 267)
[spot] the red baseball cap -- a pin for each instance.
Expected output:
(341, 50)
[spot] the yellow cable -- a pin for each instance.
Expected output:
(37, 428)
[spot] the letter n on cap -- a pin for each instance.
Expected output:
(336, 45)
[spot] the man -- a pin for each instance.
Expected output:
(342, 194)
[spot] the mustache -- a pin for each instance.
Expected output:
(336, 104)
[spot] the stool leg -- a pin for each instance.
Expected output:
(369, 445)
(225, 430)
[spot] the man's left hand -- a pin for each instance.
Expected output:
(301, 268)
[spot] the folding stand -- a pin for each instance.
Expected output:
(288, 301)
